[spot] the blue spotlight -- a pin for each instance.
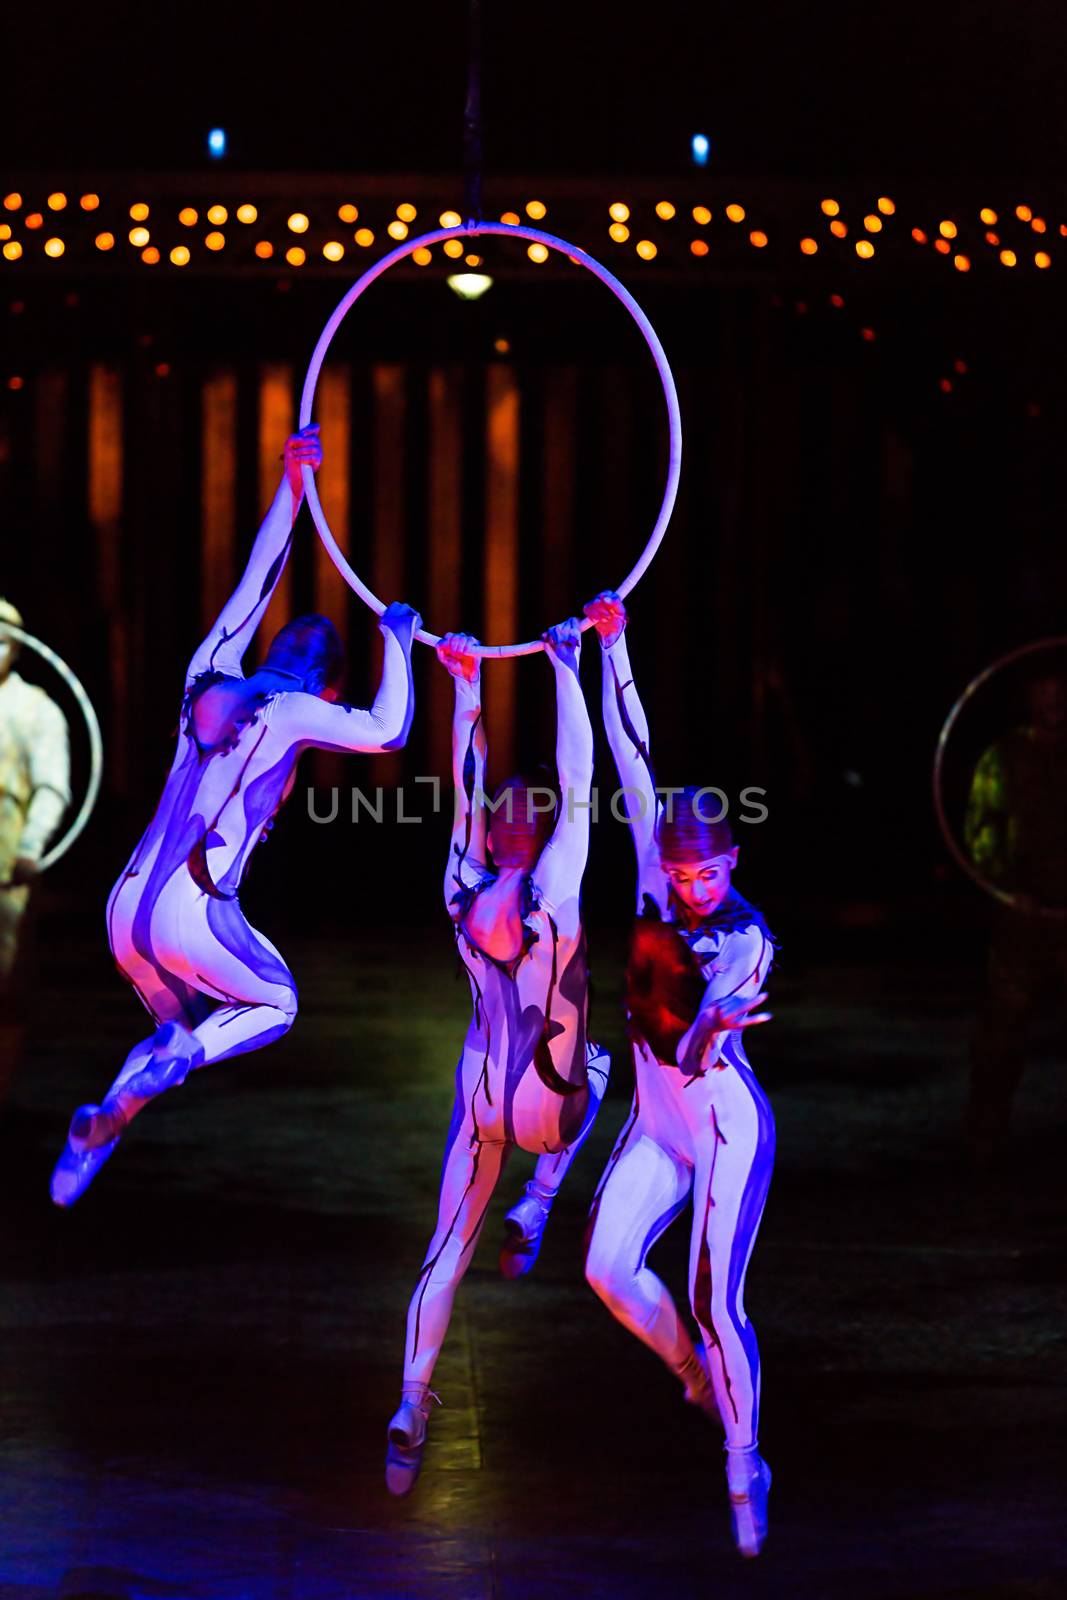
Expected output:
(701, 149)
(216, 142)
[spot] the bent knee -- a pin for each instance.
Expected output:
(604, 1275)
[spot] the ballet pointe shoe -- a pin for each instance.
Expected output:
(406, 1438)
(524, 1227)
(748, 1479)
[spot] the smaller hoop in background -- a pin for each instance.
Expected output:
(581, 258)
(962, 860)
(96, 743)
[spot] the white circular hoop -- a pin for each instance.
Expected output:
(1003, 895)
(581, 258)
(96, 743)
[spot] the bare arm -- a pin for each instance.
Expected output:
(559, 870)
(224, 647)
(734, 990)
(311, 721)
(466, 862)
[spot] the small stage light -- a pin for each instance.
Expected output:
(216, 143)
(700, 147)
(469, 285)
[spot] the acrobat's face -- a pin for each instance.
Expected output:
(701, 885)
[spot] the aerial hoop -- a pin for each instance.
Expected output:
(1004, 896)
(581, 258)
(96, 743)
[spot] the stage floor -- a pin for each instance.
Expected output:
(199, 1361)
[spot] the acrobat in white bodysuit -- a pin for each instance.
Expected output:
(214, 986)
(700, 1128)
(527, 1075)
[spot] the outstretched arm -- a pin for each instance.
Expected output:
(734, 990)
(626, 727)
(225, 645)
(311, 721)
(49, 764)
(466, 850)
(559, 871)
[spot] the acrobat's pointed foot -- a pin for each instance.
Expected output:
(748, 1478)
(524, 1227)
(93, 1137)
(407, 1439)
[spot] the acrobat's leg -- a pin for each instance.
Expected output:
(208, 954)
(471, 1171)
(525, 1223)
(729, 1193)
(645, 1189)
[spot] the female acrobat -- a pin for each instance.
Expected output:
(214, 986)
(700, 1128)
(527, 1075)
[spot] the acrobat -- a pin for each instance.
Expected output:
(214, 987)
(527, 1075)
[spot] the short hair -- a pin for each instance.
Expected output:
(311, 643)
(684, 835)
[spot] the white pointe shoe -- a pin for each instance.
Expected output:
(406, 1440)
(524, 1227)
(748, 1478)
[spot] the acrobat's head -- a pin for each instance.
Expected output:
(522, 817)
(1046, 700)
(309, 648)
(697, 855)
(9, 645)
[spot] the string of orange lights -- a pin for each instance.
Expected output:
(58, 226)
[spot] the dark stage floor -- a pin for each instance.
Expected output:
(199, 1361)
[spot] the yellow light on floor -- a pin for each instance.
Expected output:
(298, 223)
(619, 232)
(406, 212)
(864, 249)
(808, 247)
(397, 229)
(645, 249)
(89, 202)
(535, 209)
(919, 236)
(1039, 224)
(57, 202)
(1042, 259)
(348, 213)
(886, 206)
(139, 212)
(942, 246)
(701, 216)
(473, 261)
(453, 248)
(105, 241)
(139, 237)
(664, 210)
(502, 347)
(988, 217)
(34, 220)
(537, 252)
(830, 208)
(264, 249)
(947, 230)
(247, 214)
(180, 256)
(364, 237)
(333, 250)
(619, 212)
(962, 263)
(295, 256)
(839, 229)
(54, 247)
(422, 257)
(150, 257)
(12, 202)
(758, 240)
(12, 250)
(215, 241)
(452, 219)
(1023, 213)
(188, 217)
(698, 247)
(873, 224)
(217, 215)
(735, 213)
(1008, 258)
(511, 219)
